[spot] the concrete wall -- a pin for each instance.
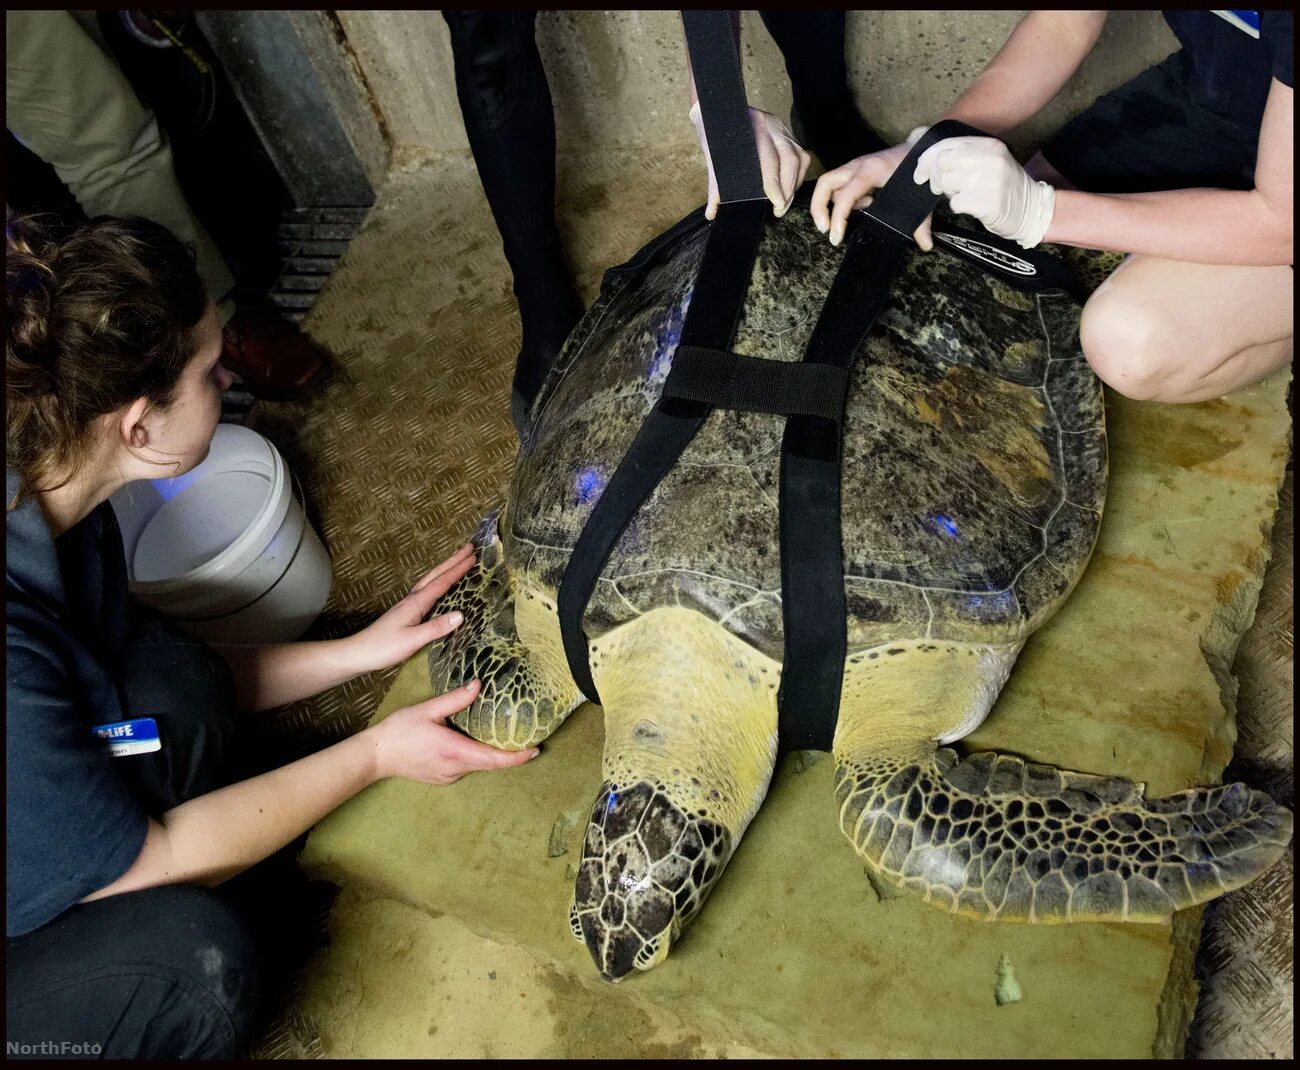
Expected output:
(342, 81)
(291, 94)
(619, 78)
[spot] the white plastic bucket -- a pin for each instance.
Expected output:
(226, 550)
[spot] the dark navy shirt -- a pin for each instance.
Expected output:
(72, 824)
(1235, 56)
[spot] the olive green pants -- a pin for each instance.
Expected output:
(68, 101)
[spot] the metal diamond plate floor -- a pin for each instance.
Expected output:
(1246, 964)
(410, 441)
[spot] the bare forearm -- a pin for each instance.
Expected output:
(1209, 226)
(212, 838)
(224, 832)
(276, 674)
(1041, 54)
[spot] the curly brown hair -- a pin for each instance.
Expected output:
(97, 317)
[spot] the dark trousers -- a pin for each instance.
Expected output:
(812, 45)
(1155, 132)
(510, 122)
(176, 971)
(509, 119)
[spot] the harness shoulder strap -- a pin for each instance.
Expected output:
(813, 605)
(715, 64)
(811, 394)
(710, 324)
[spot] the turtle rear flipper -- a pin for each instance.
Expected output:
(995, 837)
(527, 690)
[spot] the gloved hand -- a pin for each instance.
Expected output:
(981, 178)
(782, 160)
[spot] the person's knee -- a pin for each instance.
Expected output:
(1129, 344)
(187, 687)
(212, 948)
(168, 972)
(164, 668)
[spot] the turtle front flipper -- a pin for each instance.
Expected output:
(690, 743)
(995, 837)
(512, 646)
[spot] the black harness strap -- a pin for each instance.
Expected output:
(812, 554)
(715, 65)
(813, 605)
(1033, 270)
(811, 394)
(753, 384)
(710, 323)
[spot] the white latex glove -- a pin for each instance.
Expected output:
(981, 178)
(782, 160)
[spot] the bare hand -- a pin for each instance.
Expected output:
(402, 631)
(414, 743)
(851, 185)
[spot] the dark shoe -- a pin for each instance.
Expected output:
(275, 361)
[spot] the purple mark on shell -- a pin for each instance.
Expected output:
(589, 484)
(667, 335)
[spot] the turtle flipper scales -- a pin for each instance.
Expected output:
(995, 837)
(513, 650)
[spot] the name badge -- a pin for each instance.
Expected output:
(1246, 21)
(121, 738)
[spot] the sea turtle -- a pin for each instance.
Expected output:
(973, 481)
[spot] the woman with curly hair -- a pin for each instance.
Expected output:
(121, 940)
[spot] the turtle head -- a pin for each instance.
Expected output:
(646, 868)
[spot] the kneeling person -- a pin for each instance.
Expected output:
(120, 936)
